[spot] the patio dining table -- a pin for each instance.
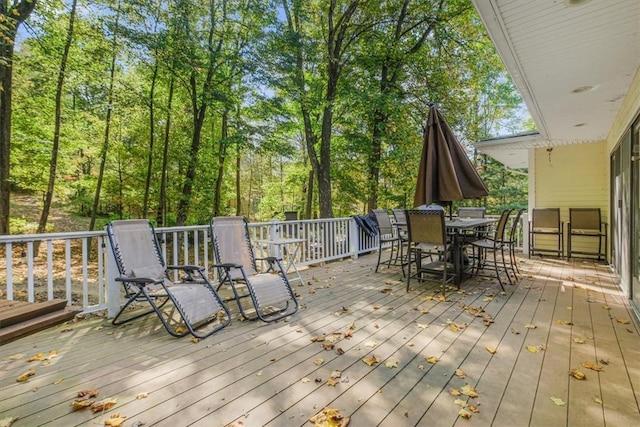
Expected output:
(458, 228)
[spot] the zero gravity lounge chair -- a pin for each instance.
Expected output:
(269, 292)
(195, 306)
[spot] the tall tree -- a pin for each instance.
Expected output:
(58, 118)
(11, 16)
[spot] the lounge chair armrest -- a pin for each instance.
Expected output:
(186, 268)
(269, 259)
(228, 265)
(138, 280)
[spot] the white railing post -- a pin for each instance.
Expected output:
(354, 240)
(525, 233)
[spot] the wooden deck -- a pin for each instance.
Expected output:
(254, 374)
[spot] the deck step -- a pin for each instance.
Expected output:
(18, 318)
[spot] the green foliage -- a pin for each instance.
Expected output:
(256, 84)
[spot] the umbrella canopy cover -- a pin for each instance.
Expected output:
(446, 174)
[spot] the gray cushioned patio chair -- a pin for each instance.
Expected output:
(269, 291)
(586, 223)
(196, 307)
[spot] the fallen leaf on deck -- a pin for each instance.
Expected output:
(513, 331)
(339, 351)
(143, 395)
(376, 307)
(422, 325)
(195, 340)
(577, 374)
(469, 390)
(454, 392)
(604, 361)
(463, 413)
(88, 393)
(58, 381)
(328, 346)
(299, 330)
(7, 422)
(623, 321)
(558, 401)
(317, 338)
(371, 360)
(331, 382)
(592, 366)
(579, 340)
(115, 420)
(24, 377)
(606, 307)
(473, 409)
(391, 363)
(460, 373)
(371, 344)
(36, 357)
(532, 349)
(460, 402)
(103, 405)
(421, 367)
(424, 311)
(569, 308)
(431, 359)
(336, 374)
(329, 417)
(386, 290)
(347, 334)
(491, 349)
(486, 299)
(441, 298)
(306, 380)
(181, 330)
(318, 361)
(530, 326)
(564, 322)
(597, 400)
(454, 327)
(259, 374)
(410, 344)
(81, 403)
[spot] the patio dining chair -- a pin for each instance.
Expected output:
(387, 236)
(428, 247)
(494, 246)
(546, 224)
(195, 306)
(268, 289)
(586, 223)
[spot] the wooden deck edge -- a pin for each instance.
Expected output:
(36, 324)
(20, 311)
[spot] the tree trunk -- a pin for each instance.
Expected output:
(58, 118)
(107, 130)
(238, 197)
(222, 155)
(11, 18)
(309, 206)
(162, 203)
(152, 126)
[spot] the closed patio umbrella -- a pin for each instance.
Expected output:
(446, 173)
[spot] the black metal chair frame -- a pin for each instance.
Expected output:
(590, 228)
(496, 245)
(388, 235)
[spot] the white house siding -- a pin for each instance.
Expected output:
(572, 176)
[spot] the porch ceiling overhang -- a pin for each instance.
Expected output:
(572, 61)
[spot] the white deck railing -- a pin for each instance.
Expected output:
(79, 266)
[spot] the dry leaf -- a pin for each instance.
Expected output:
(579, 340)
(317, 339)
(491, 349)
(558, 401)
(532, 349)
(58, 381)
(352, 325)
(329, 417)
(259, 374)
(530, 326)
(306, 380)
(578, 374)
(454, 327)
(142, 395)
(460, 402)
(623, 321)
(592, 366)
(318, 361)
(7, 422)
(25, 376)
(81, 403)
(370, 344)
(376, 307)
(331, 382)
(469, 390)
(431, 359)
(371, 360)
(103, 405)
(604, 361)
(463, 413)
(336, 374)
(460, 373)
(36, 357)
(88, 393)
(18, 356)
(391, 363)
(454, 392)
(115, 420)
(194, 340)
(597, 400)
(473, 409)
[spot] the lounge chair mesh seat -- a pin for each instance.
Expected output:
(269, 291)
(143, 273)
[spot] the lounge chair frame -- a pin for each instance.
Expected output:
(145, 278)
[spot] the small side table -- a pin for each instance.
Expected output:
(289, 249)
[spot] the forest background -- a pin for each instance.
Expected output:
(180, 110)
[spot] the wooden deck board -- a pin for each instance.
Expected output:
(253, 372)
